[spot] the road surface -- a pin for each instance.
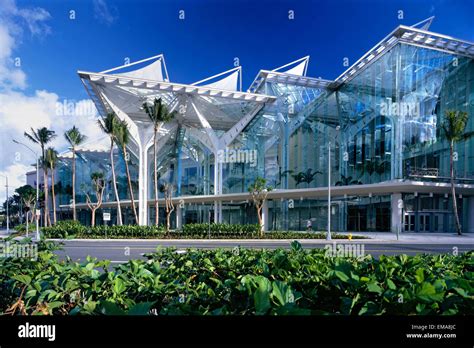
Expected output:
(119, 251)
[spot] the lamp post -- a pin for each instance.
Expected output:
(8, 216)
(328, 236)
(37, 185)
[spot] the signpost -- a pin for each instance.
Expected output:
(106, 217)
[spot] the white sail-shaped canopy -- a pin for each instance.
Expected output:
(153, 71)
(298, 67)
(229, 83)
(424, 24)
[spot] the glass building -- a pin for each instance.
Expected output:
(373, 134)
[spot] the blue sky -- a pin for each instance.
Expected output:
(259, 33)
(51, 47)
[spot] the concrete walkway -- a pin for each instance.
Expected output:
(424, 238)
(374, 238)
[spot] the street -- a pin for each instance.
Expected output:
(119, 251)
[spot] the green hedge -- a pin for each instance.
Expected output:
(220, 230)
(73, 229)
(240, 282)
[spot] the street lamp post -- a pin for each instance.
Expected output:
(328, 236)
(37, 186)
(8, 215)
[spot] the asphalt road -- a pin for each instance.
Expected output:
(121, 251)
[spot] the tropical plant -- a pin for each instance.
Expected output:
(51, 160)
(75, 138)
(43, 136)
(28, 196)
(122, 137)
(454, 125)
(268, 282)
(259, 191)
(98, 186)
(348, 181)
(308, 176)
(159, 115)
(108, 125)
(167, 189)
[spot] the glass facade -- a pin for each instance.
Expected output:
(383, 125)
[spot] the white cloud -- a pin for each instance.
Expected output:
(12, 21)
(20, 112)
(104, 13)
(16, 178)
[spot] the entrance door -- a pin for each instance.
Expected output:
(425, 220)
(409, 222)
(438, 223)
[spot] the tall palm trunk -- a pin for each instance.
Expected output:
(157, 211)
(117, 199)
(74, 213)
(453, 190)
(53, 195)
(46, 197)
(124, 150)
(45, 190)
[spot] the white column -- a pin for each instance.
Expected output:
(265, 215)
(143, 187)
(396, 221)
(217, 189)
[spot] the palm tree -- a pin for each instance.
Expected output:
(51, 159)
(347, 181)
(307, 176)
(42, 136)
(122, 137)
(74, 138)
(453, 126)
(108, 125)
(158, 114)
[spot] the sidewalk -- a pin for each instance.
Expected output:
(374, 238)
(417, 238)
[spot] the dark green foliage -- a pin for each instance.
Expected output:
(240, 282)
(73, 229)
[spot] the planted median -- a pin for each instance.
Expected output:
(73, 229)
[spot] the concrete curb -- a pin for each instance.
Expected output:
(272, 241)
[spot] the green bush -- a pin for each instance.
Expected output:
(73, 229)
(240, 282)
(220, 230)
(67, 229)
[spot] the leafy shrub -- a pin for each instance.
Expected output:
(64, 229)
(240, 282)
(220, 230)
(68, 229)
